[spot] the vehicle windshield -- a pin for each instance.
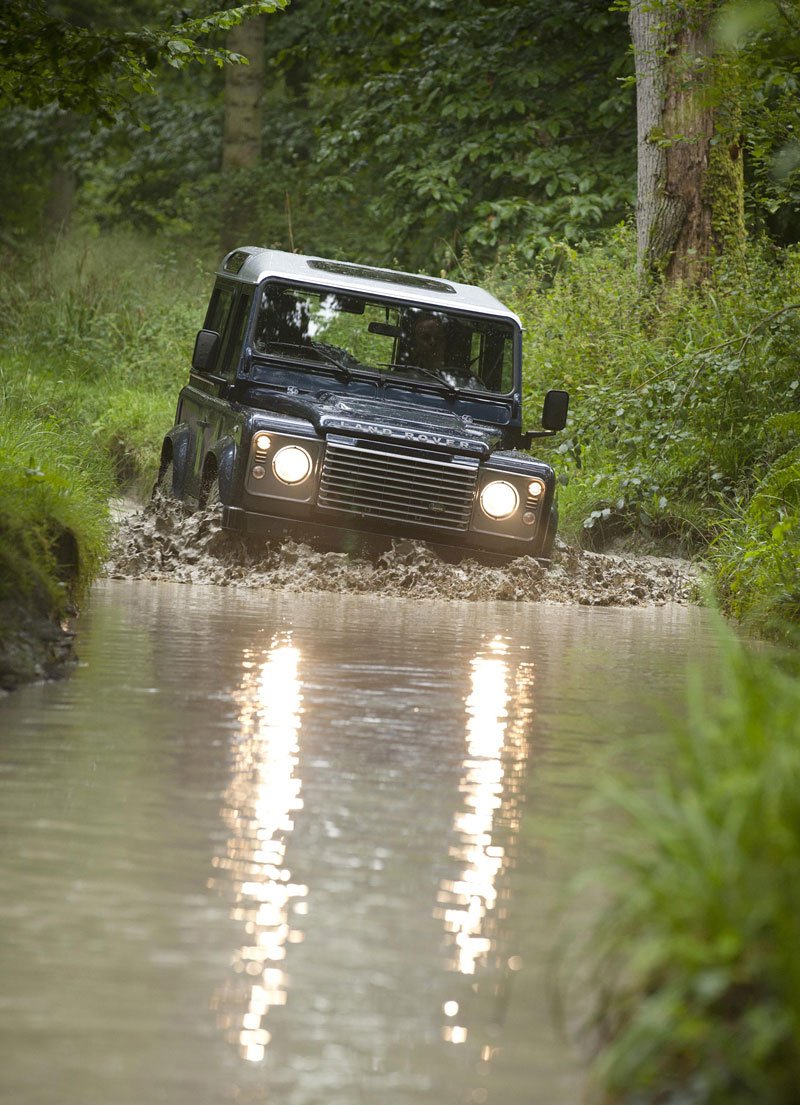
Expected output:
(352, 333)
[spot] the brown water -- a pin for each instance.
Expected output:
(311, 849)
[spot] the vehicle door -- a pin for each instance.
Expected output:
(207, 408)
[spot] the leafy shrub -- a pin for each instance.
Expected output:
(757, 557)
(696, 954)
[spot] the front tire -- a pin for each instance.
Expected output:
(550, 535)
(211, 495)
(165, 484)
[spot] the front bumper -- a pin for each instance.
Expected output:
(356, 538)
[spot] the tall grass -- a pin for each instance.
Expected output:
(99, 333)
(697, 952)
(95, 340)
(53, 513)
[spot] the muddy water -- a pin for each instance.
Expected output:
(311, 849)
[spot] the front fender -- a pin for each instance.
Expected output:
(225, 453)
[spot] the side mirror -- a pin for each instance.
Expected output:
(206, 349)
(554, 411)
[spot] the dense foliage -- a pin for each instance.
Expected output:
(685, 428)
(505, 125)
(49, 55)
(698, 981)
(390, 133)
(419, 132)
(759, 44)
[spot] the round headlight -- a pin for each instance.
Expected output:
(499, 499)
(291, 464)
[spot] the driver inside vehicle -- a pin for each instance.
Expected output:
(441, 345)
(428, 342)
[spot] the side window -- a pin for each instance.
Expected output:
(237, 324)
(218, 316)
(218, 309)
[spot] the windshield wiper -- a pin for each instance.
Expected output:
(329, 357)
(451, 388)
(324, 356)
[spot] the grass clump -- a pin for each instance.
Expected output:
(698, 969)
(757, 554)
(53, 513)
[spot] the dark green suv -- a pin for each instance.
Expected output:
(350, 405)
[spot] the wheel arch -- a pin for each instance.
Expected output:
(175, 448)
(220, 461)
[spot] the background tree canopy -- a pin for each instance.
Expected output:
(505, 124)
(427, 128)
(97, 58)
(408, 132)
(393, 132)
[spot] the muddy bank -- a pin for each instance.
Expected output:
(164, 542)
(34, 644)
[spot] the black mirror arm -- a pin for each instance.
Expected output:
(526, 439)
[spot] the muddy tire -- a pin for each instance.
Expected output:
(211, 496)
(165, 484)
(550, 535)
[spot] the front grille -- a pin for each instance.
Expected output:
(394, 486)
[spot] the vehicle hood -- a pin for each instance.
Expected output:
(390, 420)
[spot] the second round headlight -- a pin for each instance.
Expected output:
(291, 464)
(499, 499)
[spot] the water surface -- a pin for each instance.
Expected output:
(311, 850)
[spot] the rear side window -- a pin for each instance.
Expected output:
(217, 318)
(237, 324)
(219, 309)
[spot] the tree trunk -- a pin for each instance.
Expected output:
(241, 138)
(57, 213)
(690, 195)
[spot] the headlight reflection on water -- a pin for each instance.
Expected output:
(487, 826)
(263, 794)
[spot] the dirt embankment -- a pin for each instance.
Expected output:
(164, 542)
(34, 644)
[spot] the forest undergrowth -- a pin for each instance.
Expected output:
(693, 961)
(684, 434)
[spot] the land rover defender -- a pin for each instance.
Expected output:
(348, 405)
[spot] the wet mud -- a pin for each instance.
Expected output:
(166, 542)
(35, 643)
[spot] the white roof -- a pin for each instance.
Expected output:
(254, 264)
